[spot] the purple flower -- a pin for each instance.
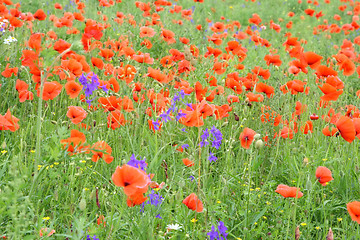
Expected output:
(212, 158)
(154, 199)
(222, 229)
(90, 85)
(213, 234)
(185, 146)
(217, 135)
(141, 164)
(180, 115)
(204, 138)
(88, 237)
(217, 234)
(165, 117)
(192, 178)
(158, 216)
(156, 125)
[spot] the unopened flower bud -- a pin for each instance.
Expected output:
(259, 144)
(82, 204)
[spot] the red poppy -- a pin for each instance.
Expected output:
(247, 137)
(307, 127)
(192, 119)
(273, 59)
(9, 122)
(132, 179)
(312, 59)
(287, 191)
(75, 143)
(168, 36)
(76, 114)
(115, 119)
(188, 162)
(323, 174)
(73, 89)
(51, 90)
(147, 32)
(346, 128)
(354, 211)
(101, 150)
(252, 97)
(193, 203)
(8, 72)
(267, 89)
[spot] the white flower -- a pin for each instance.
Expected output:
(9, 40)
(174, 227)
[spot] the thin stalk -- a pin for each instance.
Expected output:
(38, 120)
(249, 187)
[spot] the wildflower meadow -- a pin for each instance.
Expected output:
(179, 119)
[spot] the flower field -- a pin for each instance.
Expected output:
(179, 119)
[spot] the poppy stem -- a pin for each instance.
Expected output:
(273, 161)
(39, 119)
(249, 187)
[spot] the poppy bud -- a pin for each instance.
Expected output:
(297, 233)
(314, 116)
(236, 117)
(330, 235)
(82, 204)
(3, 145)
(259, 144)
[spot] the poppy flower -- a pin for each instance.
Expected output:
(252, 97)
(72, 89)
(76, 114)
(168, 36)
(312, 59)
(46, 231)
(102, 150)
(267, 89)
(307, 127)
(273, 59)
(287, 132)
(346, 128)
(132, 179)
(135, 199)
(188, 162)
(25, 95)
(97, 62)
(147, 32)
(51, 90)
(323, 174)
(75, 143)
(287, 191)
(8, 72)
(247, 137)
(354, 211)
(327, 132)
(193, 203)
(9, 122)
(115, 119)
(192, 118)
